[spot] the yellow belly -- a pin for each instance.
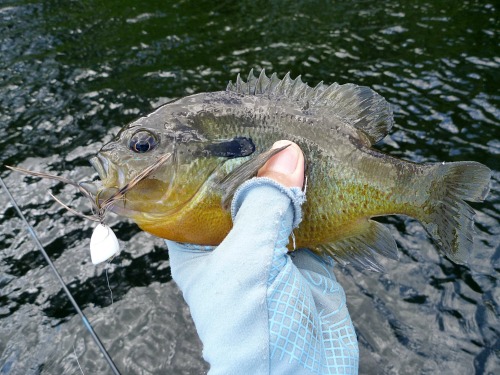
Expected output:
(203, 222)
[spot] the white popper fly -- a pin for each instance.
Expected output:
(103, 244)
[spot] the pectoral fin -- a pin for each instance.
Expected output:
(368, 237)
(245, 171)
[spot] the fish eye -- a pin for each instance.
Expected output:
(143, 141)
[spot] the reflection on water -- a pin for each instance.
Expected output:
(71, 74)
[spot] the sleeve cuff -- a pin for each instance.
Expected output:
(295, 194)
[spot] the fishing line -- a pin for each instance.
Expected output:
(86, 323)
(109, 287)
(77, 361)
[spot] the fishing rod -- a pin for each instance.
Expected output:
(86, 323)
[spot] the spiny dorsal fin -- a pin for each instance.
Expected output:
(355, 105)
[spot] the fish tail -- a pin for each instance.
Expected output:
(447, 218)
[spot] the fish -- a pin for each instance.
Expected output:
(217, 140)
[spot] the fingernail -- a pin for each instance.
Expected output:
(286, 160)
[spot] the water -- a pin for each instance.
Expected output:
(73, 72)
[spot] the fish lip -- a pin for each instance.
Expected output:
(91, 187)
(101, 166)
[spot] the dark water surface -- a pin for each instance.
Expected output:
(73, 72)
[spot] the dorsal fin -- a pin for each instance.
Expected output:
(358, 106)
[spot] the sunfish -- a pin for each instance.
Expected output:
(217, 140)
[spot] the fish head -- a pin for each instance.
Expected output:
(126, 157)
(194, 159)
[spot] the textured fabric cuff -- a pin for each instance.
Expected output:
(295, 194)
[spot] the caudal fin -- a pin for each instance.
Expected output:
(449, 220)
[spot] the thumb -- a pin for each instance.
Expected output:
(286, 167)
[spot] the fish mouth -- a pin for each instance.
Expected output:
(139, 194)
(111, 180)
(109, 174)
(101, 165)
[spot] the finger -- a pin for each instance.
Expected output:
(286, 167)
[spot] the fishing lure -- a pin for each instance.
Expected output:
(103, 243)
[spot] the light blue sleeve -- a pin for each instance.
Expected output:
(257, 309)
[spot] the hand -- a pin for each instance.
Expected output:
(257, 308)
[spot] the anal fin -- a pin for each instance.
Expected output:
(368, 237)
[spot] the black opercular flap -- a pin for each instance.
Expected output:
(234, 148)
